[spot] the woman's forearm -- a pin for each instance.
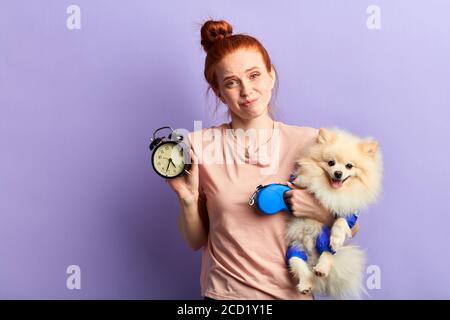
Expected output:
(191, 224)
(355, 229)
(311, 208)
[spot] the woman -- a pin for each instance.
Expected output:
(243, 250)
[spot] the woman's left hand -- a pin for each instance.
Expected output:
(304, 204)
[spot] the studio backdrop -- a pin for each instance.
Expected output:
(84, 83)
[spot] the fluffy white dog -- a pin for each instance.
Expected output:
(344, 173)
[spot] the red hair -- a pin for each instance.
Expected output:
(218, 41)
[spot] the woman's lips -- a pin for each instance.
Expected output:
(249, 103)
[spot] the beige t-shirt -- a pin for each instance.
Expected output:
(244, 257)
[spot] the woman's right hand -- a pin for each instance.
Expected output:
(186, 185)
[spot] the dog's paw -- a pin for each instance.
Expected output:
(337, 241)
(305, 287)
(321, 270)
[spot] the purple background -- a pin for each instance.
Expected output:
(77, 109)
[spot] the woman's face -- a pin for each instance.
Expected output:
(245, 86)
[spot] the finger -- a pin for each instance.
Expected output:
(288, 193)
(291, 185)
(289, 204)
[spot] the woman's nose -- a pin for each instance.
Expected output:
(245, 89)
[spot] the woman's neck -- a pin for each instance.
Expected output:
(260, 123)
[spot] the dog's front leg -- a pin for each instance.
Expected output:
(300, 270)
(339, 231)
(323, 266)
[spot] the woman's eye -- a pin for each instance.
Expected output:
(331, 163)
(254, 75)
(349, 166)
(231, 83)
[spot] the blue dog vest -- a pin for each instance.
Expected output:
(322, 241)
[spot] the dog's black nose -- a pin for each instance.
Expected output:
(338, 174)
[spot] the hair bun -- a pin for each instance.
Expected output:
(213, 31)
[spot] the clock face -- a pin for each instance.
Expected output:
(168, 160)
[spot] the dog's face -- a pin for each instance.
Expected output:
(343, 170)
(345, 160)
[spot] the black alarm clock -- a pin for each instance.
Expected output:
(170, 157)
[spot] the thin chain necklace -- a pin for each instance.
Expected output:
(247, 148)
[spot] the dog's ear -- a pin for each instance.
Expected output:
(369, 148)
(325, 136)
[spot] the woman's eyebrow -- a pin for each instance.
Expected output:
(252, 68)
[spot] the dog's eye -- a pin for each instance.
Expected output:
(349, 166)
(331, 163)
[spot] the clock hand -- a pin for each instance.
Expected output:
(170, 161)
(168, 165)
